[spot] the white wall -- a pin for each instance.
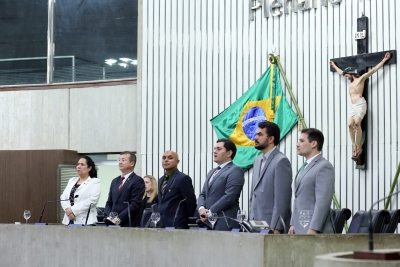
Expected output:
(199, 56)
(88, 120)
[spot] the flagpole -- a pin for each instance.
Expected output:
(396, 177)
(289, 88)
(301, 119)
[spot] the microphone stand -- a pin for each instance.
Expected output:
(87, 216)
(176, 212)
(51, 201)
(371, 255)
(129, 214)
(242, 225)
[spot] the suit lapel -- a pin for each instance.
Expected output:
(169, 183)
(269, 159)
(306, 170)
(225, 168)
(124, 185)
(83, 184)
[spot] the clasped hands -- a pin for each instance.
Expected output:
(116, 220)
(70, 214)
(204, 213)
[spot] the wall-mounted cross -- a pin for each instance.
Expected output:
(361, 62)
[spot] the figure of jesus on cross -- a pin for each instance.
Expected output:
(358, 103)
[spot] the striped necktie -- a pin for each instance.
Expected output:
(121, 182)
(215, 173)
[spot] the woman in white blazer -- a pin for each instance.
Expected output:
(81, 191)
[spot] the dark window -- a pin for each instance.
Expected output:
(93, 40)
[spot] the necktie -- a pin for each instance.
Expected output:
(300, 172)
(164, 184)
(215, 173)
(121, 182)
(263, 161)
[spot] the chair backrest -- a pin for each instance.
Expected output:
(100, 214)
(340, 217)
(154, 207)
(360, 221)
(394, 221)
(145, 221)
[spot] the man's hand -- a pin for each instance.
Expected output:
(117, 221)
(387, 56)
(311, 232)
(291, 230)
(276, 231)
(331, 63)
(203, 215)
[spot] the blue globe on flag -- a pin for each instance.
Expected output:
(250, 121)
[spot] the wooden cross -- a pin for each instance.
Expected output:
(362, 62)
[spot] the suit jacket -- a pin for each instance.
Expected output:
(222, 195)
(314, 191)
(271, 190)
(132, 191)
(179, 187)
(88, 193)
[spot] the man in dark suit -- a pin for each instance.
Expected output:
(176, 198)
(222, 188)
(271, 190)
(128, 187)
(314, 187)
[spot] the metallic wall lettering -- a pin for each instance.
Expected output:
(273, 7)
(275, 4)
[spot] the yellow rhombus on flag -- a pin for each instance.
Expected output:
(263, 101)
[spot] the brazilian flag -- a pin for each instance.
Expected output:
(263, 101)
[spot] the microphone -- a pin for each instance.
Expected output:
(129, 214)
(176, 212)
(52, 201)
(244, 224)
(370, 230)
(88, 212)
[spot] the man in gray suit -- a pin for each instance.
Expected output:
(314, 187)
(271, 190)
(222, 188)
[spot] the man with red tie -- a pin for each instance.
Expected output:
(126, 188)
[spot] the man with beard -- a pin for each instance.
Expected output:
(271, 190)
(358, 103)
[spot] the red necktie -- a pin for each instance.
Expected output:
(120, 183)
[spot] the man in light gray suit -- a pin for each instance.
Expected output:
(222, 188)
(271, 190)
(314, 187)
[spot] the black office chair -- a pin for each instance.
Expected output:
(360, 221)
(340, 216)
(146, 218)
(394, 221)
(154, 208)
(100, 214)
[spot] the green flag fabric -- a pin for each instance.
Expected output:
(263, 101)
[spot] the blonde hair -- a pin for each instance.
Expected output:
(154, 188)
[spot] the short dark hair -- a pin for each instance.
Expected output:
(229, 146)
(315, 135)
(90, 163)
(132, 156)
(272, 130)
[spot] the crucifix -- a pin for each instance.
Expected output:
(354, 68)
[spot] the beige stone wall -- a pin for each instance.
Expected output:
(49, 246)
